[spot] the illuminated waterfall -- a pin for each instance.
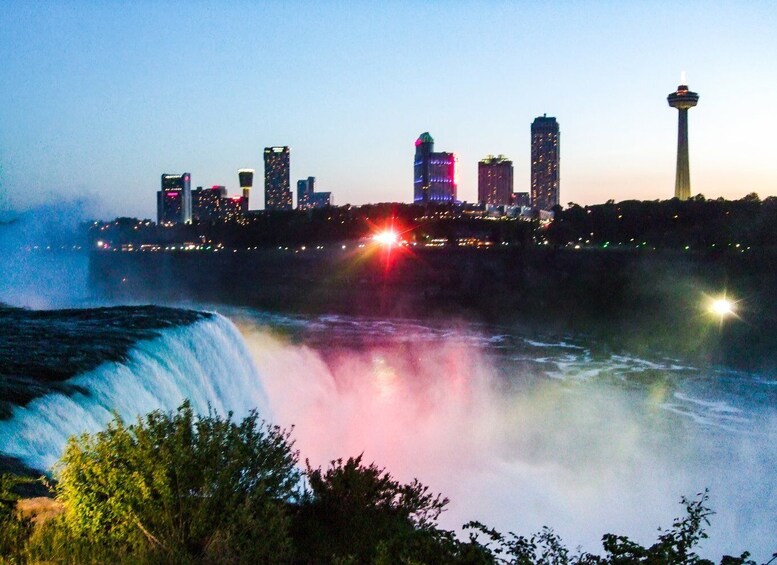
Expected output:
(206, 362)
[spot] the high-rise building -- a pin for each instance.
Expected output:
(434, 178)
(233, 208)
(495, 181)
(213, 205)
(308, 198)
(522, 199)
(305, 190)
(206, 203)
(174, 201)
(277, 183)
(682, 99)
(321, 200)
(544, 163)
(246, 177)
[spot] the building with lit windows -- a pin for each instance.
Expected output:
(305, 189)
(544, 163)
(434, 179)
(232, 208)
(321, 200)
(174, 200)
(212, 204)
(277, 183)
(206, 203)
(495, 181)
(308, 198)
(522, 199)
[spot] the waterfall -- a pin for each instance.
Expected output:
(206, 362)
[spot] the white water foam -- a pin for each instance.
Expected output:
(576, 445)
(206, 362)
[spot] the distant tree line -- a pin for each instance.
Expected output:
(698, 224)
(318, 226)
(181, 488)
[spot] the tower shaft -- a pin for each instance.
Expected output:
(682, 185)
(683, 99)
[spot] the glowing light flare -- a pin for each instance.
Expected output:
(386, 243)
(387, 237)
(722, 307)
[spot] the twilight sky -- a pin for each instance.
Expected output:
(98, 99)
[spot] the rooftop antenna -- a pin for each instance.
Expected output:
(683, 78)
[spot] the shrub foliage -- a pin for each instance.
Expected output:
(181, 486)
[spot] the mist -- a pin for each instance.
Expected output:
(519, 443)
(43, 256)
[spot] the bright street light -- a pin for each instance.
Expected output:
(722, 307)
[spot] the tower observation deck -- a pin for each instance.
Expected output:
(682, 99)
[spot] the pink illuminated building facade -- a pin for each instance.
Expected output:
(434, 178)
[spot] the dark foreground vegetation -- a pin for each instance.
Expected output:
(181, 488)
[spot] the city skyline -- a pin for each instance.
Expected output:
(97, 93)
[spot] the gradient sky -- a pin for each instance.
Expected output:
(101, 98)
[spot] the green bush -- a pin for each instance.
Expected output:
(355, 513)
(181, 487)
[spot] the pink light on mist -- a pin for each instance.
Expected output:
(516, 452)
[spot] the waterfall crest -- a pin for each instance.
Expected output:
(206, 362)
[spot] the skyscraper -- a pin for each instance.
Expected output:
(321, 200)
(206, 203)
(174, 200)
(434, 178)
(305, 190)
(683, 99)
(246, 177)
(308, 198)
(544, 163)
(212, 204)
(277, 183)
(495, 181)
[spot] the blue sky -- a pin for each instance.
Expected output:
(101, 98)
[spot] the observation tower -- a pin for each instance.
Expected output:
(682, 99)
